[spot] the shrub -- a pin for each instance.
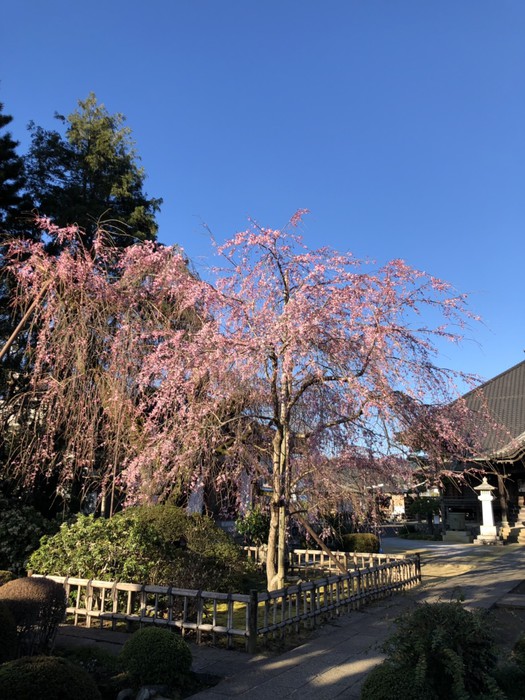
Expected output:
(38, 606)
(21, 528)
(8, 635)
(407, 529)
(6, 576)
(389, 682)
(156, 656)
(447, 650)
(46, 677)
(152, 544)
(518, 653)
(102, 665)
(511, 679)
(254, 526)
(360, 542)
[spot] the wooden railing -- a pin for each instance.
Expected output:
(233, 616)
(303, 561)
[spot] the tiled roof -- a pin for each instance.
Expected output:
(503, 398)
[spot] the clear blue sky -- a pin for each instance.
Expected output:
(399, 123)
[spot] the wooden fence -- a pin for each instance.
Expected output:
(305, 561)
(235, 617)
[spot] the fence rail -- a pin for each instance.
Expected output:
(214, 616)
(306, 560)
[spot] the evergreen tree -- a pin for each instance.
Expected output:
(90, 176)
(11, 176)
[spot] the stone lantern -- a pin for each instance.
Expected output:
(488, 533)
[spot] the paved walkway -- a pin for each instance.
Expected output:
(336, 658)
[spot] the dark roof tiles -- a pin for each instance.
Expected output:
(503, 400)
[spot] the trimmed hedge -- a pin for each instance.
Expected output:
(38, 606)
(156, 656)
(8, 635)
(360, 542)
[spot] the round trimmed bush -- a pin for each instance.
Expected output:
(8, 635)
(46, 677)
(37, 606)
(156, 656)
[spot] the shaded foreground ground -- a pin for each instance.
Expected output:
(334, 660)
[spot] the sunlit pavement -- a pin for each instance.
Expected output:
(334, 663)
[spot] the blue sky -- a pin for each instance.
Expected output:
(400, 124)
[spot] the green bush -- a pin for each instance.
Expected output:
(254, 526)
(160, 545)
(518, 653)
(511, 679)
(447, 650)
(360, 542)
(388, 682)
(103, 666)
(424, 506)
(38, 606)
(46, 678)
(6, 576)
(21, 528)
(156, 656)
(8, 634)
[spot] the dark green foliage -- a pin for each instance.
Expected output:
(447, 650)
(156, 656)
(21, 527)
(46, 678)
(11, 175)
(424, 506)
(151, 544)
(254, 526)
(360, 542)
(91, 175)
(103, 666)
(518, 653)
(388, 682)
(8, 635)
(38, 606)
(511, 680)
(6, 576)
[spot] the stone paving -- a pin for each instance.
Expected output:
(334, 661)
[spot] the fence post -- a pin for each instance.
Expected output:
(252, 621)
(418, 566)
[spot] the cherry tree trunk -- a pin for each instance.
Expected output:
(276, 556)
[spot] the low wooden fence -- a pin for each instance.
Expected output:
(230, 616)
(305, 561)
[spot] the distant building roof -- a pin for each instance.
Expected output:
(503, 400)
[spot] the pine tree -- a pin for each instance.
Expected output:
(90, 176)
(11, 176)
